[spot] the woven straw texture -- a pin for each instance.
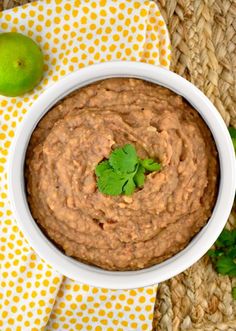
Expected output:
(203, 35)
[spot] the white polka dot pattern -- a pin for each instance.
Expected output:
(72, 34)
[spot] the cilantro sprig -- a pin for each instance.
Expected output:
(224, 255)
(232, 132)
(234, 293)
(123, 172)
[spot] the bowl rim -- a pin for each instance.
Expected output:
(122, 279)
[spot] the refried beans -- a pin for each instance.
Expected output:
(121, 232)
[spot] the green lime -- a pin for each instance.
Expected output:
(21, 64)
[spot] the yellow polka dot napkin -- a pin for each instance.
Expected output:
(72, 34)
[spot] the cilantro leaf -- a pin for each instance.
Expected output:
(211, 253)
(111, 183)
(224, 255)
(101, 167)
(232, 252)
(234, 293)
(232, 132)
(124, 159)
(214, 253)
(226, 238)
(150, 165)
(123, 171)
(139, 177)
(129, 186)
(226, 266)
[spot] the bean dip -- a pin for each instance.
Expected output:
(121, 232)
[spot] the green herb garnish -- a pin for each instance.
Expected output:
(224, 254)
(232, 132)
(123, 171)
(234, 293)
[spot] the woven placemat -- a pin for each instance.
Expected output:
(203, 34)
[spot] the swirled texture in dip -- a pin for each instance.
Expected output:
(121, 233)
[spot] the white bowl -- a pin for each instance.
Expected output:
(174, 265)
